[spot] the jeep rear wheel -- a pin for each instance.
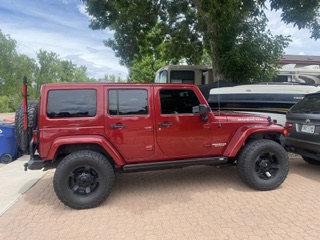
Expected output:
(83, 179)
(24, 137)
(263, 164)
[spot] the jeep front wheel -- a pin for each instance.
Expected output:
(83, 179)
(263, 164)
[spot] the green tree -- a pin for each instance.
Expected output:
(152, 57)
(24, 66)
(80, 75)
(232, 32)
(51, 69)
(302, 14)
(46, 68)
(4, 104)
(66, 70)
(112, 79)
(144, 70)
(13, 67)
(8, 56)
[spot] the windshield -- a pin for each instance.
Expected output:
(161, 77)
(309, 104)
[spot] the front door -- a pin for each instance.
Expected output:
(180, 132)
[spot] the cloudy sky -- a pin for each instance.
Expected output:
(61, 26)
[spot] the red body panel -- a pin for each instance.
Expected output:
(142, 139)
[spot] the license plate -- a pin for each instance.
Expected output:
(308, 128)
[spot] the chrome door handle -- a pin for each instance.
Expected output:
(118, 125)
(165, 124)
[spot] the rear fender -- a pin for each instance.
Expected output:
(83, 139)
(243, 133)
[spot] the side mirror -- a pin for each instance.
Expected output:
(202, 109)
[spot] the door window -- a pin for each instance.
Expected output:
(176, 101)
(128, 102)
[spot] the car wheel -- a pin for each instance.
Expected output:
(311, 160)
(263, 164)
(24, 137)
(83, 179)
(6, 158)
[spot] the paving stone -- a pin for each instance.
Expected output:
(191, 203)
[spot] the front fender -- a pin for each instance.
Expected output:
(242, 134)
(84, 139)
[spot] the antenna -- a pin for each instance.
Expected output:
(219, 107)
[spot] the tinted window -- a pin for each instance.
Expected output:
(71, 103)
(310, 104)
(128, 102)
(178, 101)
(182, 77)
(162, 77)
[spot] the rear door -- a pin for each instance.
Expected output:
(128, 122)
(180, 132)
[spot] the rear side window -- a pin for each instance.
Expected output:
(310, 104)
(71, 103)
(128, 102)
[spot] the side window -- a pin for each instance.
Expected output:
(161, 77)
(128, 102)
(182, 76)
(176, 101)
(72, 103)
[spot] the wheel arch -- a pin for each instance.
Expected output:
(65, 145)
(245, 135)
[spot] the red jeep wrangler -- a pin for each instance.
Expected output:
(90, 132)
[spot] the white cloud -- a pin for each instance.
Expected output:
(301, 42)
(82, 10)
(60, 27)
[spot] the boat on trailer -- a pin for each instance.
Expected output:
(271, 99)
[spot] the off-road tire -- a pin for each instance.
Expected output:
(311, 160)
(24, 137)
(83, 179)
(263, 164)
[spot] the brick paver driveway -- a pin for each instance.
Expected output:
(190, 203)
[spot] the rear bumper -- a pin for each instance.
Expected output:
(35, 163)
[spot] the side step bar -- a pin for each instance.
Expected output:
(137, 167)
